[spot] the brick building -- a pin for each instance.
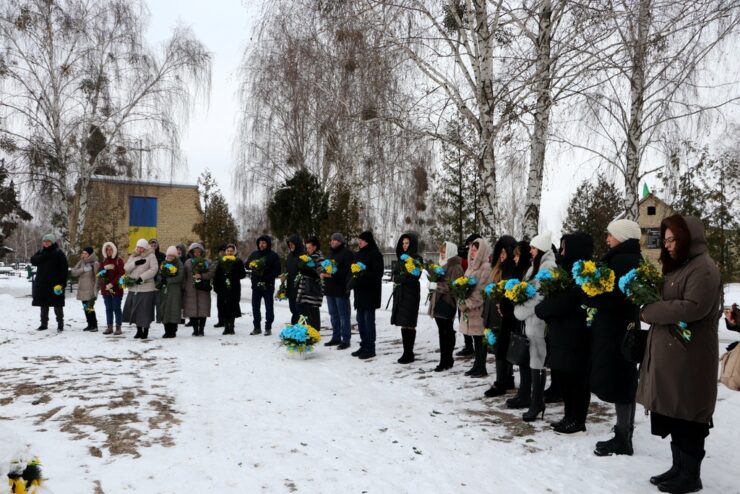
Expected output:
(652, 212)
(123, 210)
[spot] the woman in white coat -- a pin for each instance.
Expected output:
(543, 258)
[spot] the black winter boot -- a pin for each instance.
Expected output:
(524, 395)
(201, 327)
(537, 403)
(443, 342)
(467, 350)
(43, 327)
(139, 333)
(481, 352)
(89, 323)
(504, 381)
(620, 444)
(671, 472)
(689, 475)
(145, 333)
(93, 322)
(409, 337)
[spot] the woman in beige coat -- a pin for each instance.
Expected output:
(196, 290)
(142, 267)
(85, 271)
(471, 310)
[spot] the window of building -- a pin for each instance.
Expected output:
(651, 210)
(653, 238)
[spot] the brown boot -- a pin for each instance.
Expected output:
(118, 331)
(108, 330)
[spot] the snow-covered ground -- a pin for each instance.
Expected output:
(235, 414)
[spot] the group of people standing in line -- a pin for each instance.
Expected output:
(675, 382)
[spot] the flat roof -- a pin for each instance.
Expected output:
(139, 181)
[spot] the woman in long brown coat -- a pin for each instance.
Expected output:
(678, 376)
(196, 289)
(471, 310)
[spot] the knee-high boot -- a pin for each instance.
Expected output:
(524, 395)
(537, 403)
(409, 337)
(481, 352)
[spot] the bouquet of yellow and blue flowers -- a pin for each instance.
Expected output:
(682, 331)
(594, 280)
(300, 337)
(226, 263)
(200, 266)
(329, 266)
(411, 265)
(642, 285)
(519, 291)
(58, 290)
(489, 338)
(495, 291)
(282, 293)
(25, 475)
(358, 268)
(89, 306)
(257, 266)
(166, 270)
(435, 272)
(552, 281)
(306, 261)
(127, 281)
(462, 287)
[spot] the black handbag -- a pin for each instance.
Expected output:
(204, 285)
(443, 309)
(518, 351)
(634, 343)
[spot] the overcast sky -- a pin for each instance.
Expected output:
(224, 27)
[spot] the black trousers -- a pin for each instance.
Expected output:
(58, 312)
(687, 435)
(576, 392)
(313, 315)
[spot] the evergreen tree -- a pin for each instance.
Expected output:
(344, 213)
(217, 225)
(591, 209)
(458, 191)
(298, 206)
(11, 212)
(709, 188)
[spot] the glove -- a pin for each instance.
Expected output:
(140, 262)
(139, 281)
(433, 285)
(109, 266)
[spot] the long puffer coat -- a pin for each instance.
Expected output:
(568, 337)
(613, 378)
(406, 287)
(85, 271)
(534, 327)
(679, 378)
(471, 312)
(51, 270)
(170, 295)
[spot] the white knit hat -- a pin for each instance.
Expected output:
(624, 230)
(142, 242)
(542, 242)
(171, 251)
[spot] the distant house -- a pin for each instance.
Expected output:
(124, 210)
(652, 212)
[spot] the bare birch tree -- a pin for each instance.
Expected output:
(81, 87)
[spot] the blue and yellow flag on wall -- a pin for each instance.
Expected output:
(142, 222)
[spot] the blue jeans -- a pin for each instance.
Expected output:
(112, 306)
(339, 313)
(259, 293)
(366, 325)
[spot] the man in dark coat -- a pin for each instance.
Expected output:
(296, 249)
(368, 287)
(50, 282)
(263, 283)
(613, 377)
(568, 343)
(336, 290)
(678, 377)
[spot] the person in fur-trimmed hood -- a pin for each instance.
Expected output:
(86, 270)
(110, 289)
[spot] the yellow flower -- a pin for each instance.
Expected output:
(229, 258)
(253, 264)
(589, 267)
(462, 280)
(355, 268)
(303, 258)
(313, 334)
(173, 269)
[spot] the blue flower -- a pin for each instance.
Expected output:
(530, 291)
(626, 280)
(416, 272)
(362, 266)
(491, 338)
(543, 275)
(682, 325)
(472, 281)
(404, 257)
(439, 270)
(489, 288)
(511, 284)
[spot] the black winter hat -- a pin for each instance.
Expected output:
(89, 250)
(471, 238)
(367, 236)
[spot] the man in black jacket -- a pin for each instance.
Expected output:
(263, 282)
(336, 289)
(51, 279)
(368, 286)
(295, 245)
